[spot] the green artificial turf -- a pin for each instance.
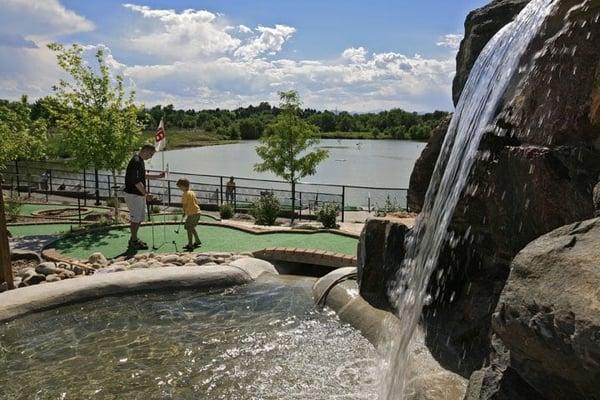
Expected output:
(40, 229)
(214, 238)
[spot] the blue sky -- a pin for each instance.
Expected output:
(352, 55)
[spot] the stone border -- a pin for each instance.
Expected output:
(27, 300)
(427, 378)
(306, 256)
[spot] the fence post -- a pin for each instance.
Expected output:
(79, 207)
(300, 212)
(343, 201)
(84, 189)
(221, 178)
(109, 187)
(18, 179)
(50, 180)
(5, 264)
(169, 192)
(97, 186)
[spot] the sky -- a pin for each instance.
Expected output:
(352, 55)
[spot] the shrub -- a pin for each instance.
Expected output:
(111, 202)
(226, 211)
(390, 206)
(13, 207)
(266, 209)
(327, 215)
(155, 209)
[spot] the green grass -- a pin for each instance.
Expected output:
(178, 138)
(214, 238)
(40, 229)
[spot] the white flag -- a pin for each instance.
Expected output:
(160, 140)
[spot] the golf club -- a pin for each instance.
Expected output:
(179, 225)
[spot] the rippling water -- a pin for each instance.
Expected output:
(260, 341)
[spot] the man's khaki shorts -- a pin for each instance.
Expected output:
(191, 222)
(137, 207)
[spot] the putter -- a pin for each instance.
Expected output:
(175, 244)
(179, 226)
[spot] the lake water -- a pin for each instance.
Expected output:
(375, 163)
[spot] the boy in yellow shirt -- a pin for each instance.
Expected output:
(192, 212)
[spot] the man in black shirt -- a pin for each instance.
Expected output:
(136, 194)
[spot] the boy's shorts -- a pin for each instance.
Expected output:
(191, 221)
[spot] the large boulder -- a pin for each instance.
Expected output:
(549, 313)
(423, 169)
(480, 26)
(380, 254)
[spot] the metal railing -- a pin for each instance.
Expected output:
(55, 179)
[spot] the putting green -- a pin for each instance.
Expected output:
(177, 218)
(40, 229)
(214, 238)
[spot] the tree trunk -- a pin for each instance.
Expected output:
(5, 263)
(293, 201)
(116, 197)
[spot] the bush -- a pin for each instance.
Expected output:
(226, 211)
(111, 202)
(390, 206)
(155, 209)
(266, 209)
(12, 207)
(327, 215)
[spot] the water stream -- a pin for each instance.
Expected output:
(479, 103)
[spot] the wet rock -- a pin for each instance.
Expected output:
(254, 266)
(46, 268)
(4, 287)
(480, 26)
(52, 278)
(99, 259)
(380, 254)
(548, 314)
(423, 169)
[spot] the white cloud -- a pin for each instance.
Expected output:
(186, 35)
(270, 41)
(41, 19)
(202, 60)
(451, 41)
(355, 55)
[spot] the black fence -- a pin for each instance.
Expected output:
(55, 179)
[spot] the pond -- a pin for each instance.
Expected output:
(264, 340)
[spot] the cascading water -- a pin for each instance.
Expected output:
(480, 100)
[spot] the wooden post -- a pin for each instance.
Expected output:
(343, 201)
(5, 264)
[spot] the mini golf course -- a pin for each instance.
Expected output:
(40, 229)
(113, 243)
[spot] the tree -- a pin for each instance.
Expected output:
(251, 128)
(100, 127)
(19, 136)
(284, 149)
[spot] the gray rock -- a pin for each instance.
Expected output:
(201, 260)
(254, 266)
(98, 258)
(18, 254)
(548, 315)
(52, 278)
(25, 272)
(46, 268)
(34, 279)
(170, 259)
(65, 273)
(138, 265)
(380, 254)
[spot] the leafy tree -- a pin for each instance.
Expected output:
(100, 127)
(20, 137)
(251, 128)
(284, 149)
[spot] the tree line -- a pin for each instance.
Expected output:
(249, 123)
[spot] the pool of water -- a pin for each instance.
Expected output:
(264, 340)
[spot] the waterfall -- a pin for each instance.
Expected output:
(478, 105)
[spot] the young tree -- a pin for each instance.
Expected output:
(100, 128)
(284, 148)
(19, 136)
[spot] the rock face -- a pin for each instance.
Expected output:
(537, 167)
(549, 312)
(380, 253)
(480, 26)
(423, 169)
